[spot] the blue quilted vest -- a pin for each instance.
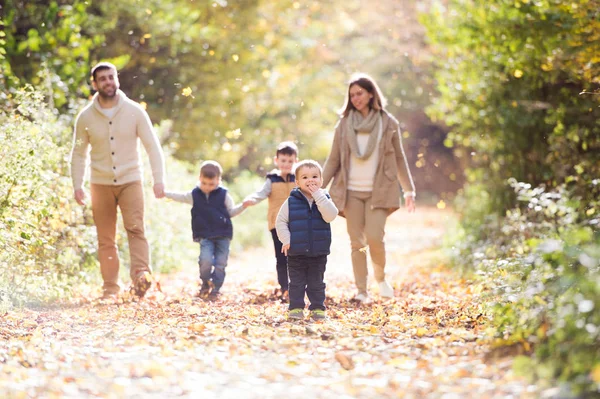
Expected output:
(210, 218)
(310, 234)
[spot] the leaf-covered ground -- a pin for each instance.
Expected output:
(427, 342)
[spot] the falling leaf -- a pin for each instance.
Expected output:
(186, 92)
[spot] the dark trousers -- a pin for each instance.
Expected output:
(282, 266)
(306, 277)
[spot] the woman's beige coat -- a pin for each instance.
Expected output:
(392, 168)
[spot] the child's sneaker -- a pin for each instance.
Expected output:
(318, 314)
(285, 296)
(386, 290)
(142, 283)
(296, 314)
(214, 295)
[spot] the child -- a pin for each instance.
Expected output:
(212, 210)
(303, 228)
(278, 184)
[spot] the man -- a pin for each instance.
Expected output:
(109, 129)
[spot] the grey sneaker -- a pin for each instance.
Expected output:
(318, 314)
(296, 314)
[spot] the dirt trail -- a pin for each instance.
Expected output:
(427, 342)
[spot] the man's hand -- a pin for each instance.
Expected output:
(410, 204)
(285, 249)
(79, 195)
(159, 190)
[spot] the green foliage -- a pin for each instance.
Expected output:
(542, 267)
(509, 77)
(55, 36)
(42, 241)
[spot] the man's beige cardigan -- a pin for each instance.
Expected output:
(114, 153)
(392, 167)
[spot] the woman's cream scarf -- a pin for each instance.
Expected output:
(371, 124)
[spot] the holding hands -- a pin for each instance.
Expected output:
(159, 190)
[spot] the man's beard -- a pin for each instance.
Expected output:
(104, 94)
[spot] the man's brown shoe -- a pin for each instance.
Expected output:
(142, 283)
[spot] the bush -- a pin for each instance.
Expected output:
(43, 245)
(542, 268)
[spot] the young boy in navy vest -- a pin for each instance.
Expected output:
(278, 184)
(212, 210)
(303, 228)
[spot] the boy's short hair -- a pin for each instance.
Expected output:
(101, 66)
(210, 169)
(308, 163)
(287, 148)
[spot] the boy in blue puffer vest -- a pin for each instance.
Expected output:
(212, 210)
(303, 229)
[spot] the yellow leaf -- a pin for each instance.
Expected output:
(518, 73)
(186, 92)
(421, 331)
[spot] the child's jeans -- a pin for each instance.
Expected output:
(213, 252)
(282, 266)
(306, 276)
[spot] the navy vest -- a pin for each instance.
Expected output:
(310, 234)
(210, 218)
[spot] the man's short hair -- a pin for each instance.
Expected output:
(308, 163)
(287, 148)
(210, 169)
(101, 66)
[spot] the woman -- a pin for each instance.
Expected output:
(368, 167)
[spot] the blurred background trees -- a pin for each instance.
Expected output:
(236, 77)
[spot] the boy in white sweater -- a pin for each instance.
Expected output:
(303, 228)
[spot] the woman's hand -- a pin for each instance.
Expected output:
(285, 249)
(410, 204)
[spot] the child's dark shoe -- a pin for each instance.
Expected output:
(204, 289)
(214, 295)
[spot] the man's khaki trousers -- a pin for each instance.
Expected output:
(366, 228)
(130, 199)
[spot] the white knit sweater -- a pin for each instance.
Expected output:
(113, 144)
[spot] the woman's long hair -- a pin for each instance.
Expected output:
(378, 102)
